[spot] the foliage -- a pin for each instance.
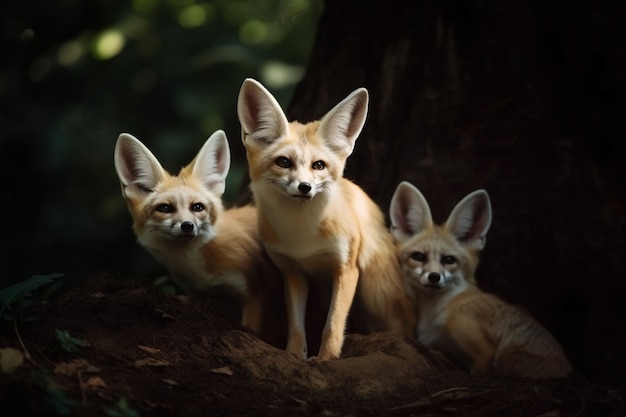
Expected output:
(76, 74)
(121, 409)
(14, 294)
(59, 401)
(53, 397)
(69, 343)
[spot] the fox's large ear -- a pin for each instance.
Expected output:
(470, 219)
(212, 163)
(342, 125)
(261, 117)
(409, 212)
(137, 168)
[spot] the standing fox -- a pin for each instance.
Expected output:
(314, 223)
(477, 330)
(180, 220)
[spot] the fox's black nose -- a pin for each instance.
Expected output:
(186, 226)
(304, 187)
(434, 277)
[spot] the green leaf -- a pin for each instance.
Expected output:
(121, 409)
(69, 343)
(59, 402)
(12, 293)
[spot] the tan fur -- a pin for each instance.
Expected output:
(334, 232)
(226, 255)
(477, 330)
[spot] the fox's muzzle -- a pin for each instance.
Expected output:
(187, 226)
(304, 187)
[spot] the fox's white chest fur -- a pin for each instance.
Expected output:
(297, 226)
(433, 315)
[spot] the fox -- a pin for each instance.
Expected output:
(479, 331)
(181, 221)
(317, 225)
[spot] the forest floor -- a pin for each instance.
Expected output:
(120, 348)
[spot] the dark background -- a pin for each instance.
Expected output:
(524, 99)
(173, 83)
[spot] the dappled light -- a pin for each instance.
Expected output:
(108, 44)
(167, 71)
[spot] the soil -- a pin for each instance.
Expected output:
(134, 351)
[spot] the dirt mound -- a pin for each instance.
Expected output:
(121, 348)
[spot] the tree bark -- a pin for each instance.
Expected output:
(524, 99)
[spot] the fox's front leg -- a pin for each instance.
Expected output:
(252, 311)
(344, 287)
(296, 294)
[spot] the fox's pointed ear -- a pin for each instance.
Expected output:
(137, 168)
(342, 125)
(470, 219)
(261, 117)
(212, 163)
(409, 212)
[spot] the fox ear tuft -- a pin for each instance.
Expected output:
(260, 115)
(409, 212)
(342, 125)
(212, 163)
(470, 219)
(136, 166)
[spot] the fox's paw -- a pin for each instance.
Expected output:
(325, 356)
(320, 359)
(298, 350)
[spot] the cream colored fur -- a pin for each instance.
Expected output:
(314, 223)
(181, 221)
(479, 331)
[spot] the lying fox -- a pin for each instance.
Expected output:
(181, 221)
(317, 225)
(477, 330)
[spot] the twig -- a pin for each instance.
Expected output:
(79, 374)
(19, 338)
(455, 393)
(450, 393)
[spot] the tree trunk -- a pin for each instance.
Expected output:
(524, 99)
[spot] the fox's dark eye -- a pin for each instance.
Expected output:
(319, 165)
(418, 256)
(197, 207)
(165, 208)
(283, 162)
(448, 260)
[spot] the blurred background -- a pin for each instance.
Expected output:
(76, 74)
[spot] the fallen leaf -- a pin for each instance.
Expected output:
(223, 371)
(299, 402)
(98, 294)
(170, 382)
(185, 299)
(73, 367)
(149, 349)
(10, 359)
(82, 342)
(151, 362)
(164, 315)
(95, 382)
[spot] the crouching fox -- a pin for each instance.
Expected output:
(477, 330)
